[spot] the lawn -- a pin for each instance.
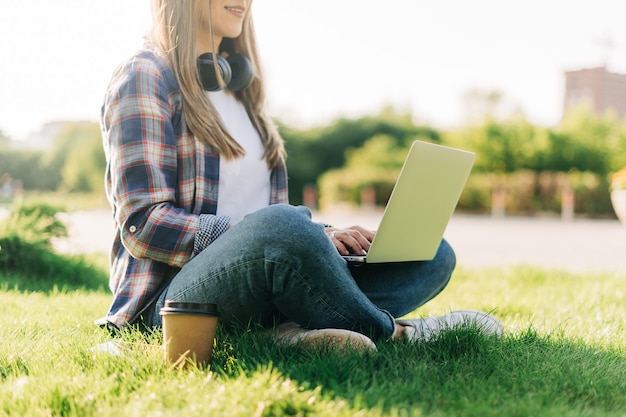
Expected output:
(563, 354)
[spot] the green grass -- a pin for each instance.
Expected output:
(563, 354)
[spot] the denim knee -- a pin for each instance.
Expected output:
(445, 262)
(280, 216)
(287, 226)
(446, 255)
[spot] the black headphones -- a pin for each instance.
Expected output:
(236, 71)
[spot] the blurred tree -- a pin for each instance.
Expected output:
(64, 142)
(84, 161)
(314, 151)
(500, 146)
(78, 144)
(27, 167)
(381, 151)
(583, 141)
(587, 141)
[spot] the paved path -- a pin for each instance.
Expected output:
(479, 241)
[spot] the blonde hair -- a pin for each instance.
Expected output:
(176, 24)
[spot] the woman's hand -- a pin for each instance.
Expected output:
(353, 240)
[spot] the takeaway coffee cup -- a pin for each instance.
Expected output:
(188, 331)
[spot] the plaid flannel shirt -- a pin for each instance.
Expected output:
(161, 182)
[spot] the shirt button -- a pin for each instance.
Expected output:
(132, 229)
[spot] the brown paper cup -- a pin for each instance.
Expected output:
(188, 332)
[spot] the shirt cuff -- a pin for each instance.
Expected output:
(210, 227)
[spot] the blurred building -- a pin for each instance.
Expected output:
(596, 87)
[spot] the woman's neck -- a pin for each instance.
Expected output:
(205, 45)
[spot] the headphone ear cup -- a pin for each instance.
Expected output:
(242, 71)
(206, 70)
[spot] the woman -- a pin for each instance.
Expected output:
(197, 181)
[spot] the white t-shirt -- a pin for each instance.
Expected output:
(244, 182)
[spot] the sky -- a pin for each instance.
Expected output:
(324, 58)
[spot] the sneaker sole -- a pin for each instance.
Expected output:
(335, 338)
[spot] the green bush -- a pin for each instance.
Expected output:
(344, 186)
(34, 223)
(374, 166)
(592, 196)
(476, 196)
(35, 267)
(529, 193)
(27, 259)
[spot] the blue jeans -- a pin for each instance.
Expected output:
(277, 265)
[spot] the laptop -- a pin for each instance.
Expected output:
(421, 204)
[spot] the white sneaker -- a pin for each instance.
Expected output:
(117, 347)
(429, 327)
(112, 348)
(292, 334)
